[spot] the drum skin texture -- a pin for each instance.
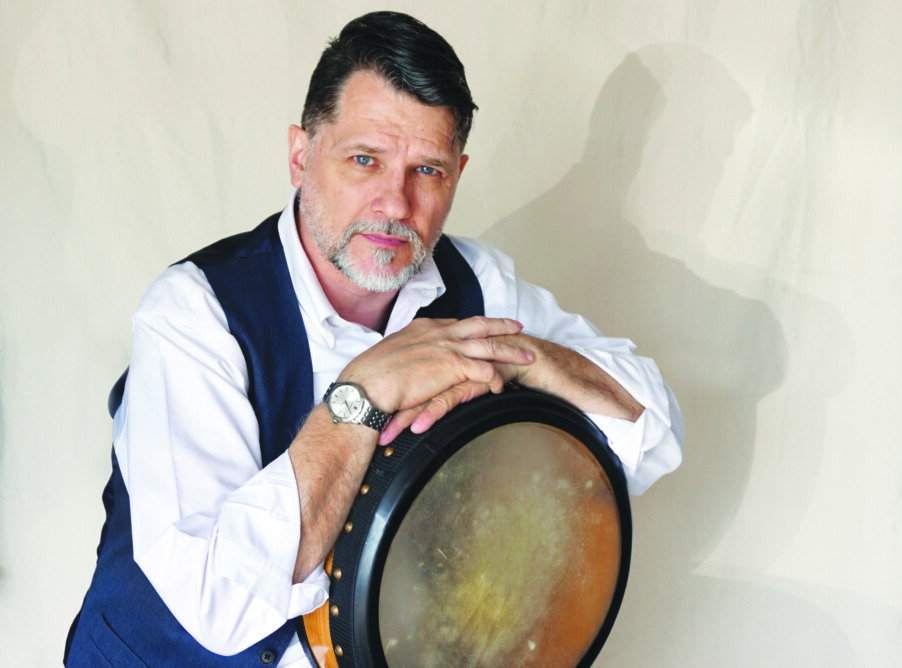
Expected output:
(500, 537)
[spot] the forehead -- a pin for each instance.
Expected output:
(369, 107)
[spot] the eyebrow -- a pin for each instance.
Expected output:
(366, 148)
(436, 162)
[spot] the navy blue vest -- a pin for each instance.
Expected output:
(123, 622)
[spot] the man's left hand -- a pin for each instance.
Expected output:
(556, 370)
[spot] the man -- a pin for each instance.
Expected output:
(216, 533)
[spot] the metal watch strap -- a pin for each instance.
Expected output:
(375, 419)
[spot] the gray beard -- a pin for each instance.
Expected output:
(379, 281)
(337, 252)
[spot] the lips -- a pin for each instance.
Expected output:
(384, 240)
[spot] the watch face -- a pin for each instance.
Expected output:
(345, 401)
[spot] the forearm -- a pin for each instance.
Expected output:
(647, 437)
(649, 446)
(329, 461)
(232, 585)
(565, 373)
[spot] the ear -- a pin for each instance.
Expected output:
(298, 144)
(464, 159)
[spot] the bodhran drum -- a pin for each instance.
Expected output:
(500, 537)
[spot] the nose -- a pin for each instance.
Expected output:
(393, 198)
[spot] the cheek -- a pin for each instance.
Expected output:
(434, 209)
(351, 203)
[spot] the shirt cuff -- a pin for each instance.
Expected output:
(259, 531)
(652, 445)
(646, 448)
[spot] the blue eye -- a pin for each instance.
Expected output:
(427, 170)
(364, 160)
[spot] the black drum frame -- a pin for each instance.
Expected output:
(396, 476)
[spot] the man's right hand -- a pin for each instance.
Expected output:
(429, 357)
(425, 360)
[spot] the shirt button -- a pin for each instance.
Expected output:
(267, 656)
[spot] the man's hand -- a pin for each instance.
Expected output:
(430, 357)
(570, 376)
(416, 366)
(556, 370)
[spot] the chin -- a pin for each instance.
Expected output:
(380, 279)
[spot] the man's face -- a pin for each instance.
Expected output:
(376, 184)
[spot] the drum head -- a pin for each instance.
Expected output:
(501, 537)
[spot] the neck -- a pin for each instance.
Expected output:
(354, 304)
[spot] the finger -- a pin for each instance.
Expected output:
(419, 327)
(481, 327)
(421, 323)
(497, 349)
(399, 422)
(444, 403)
(508, 373)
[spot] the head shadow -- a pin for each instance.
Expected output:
(576, 241)
(720, 351)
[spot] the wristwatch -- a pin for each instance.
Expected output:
(346, 402)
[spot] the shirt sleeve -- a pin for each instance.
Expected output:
(216, 533)
(648, 448)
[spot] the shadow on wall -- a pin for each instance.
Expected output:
(4, 347)
(3, 440)
(720, 352)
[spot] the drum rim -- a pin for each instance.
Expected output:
(428, 453)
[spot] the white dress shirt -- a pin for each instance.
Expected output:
(215, 532)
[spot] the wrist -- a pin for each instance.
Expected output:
(347, 402)
(375, 389)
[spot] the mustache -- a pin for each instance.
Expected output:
(389, 227)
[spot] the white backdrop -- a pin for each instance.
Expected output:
(719, 180)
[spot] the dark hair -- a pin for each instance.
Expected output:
(410, 56)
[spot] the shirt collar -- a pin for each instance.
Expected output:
(421, 290)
